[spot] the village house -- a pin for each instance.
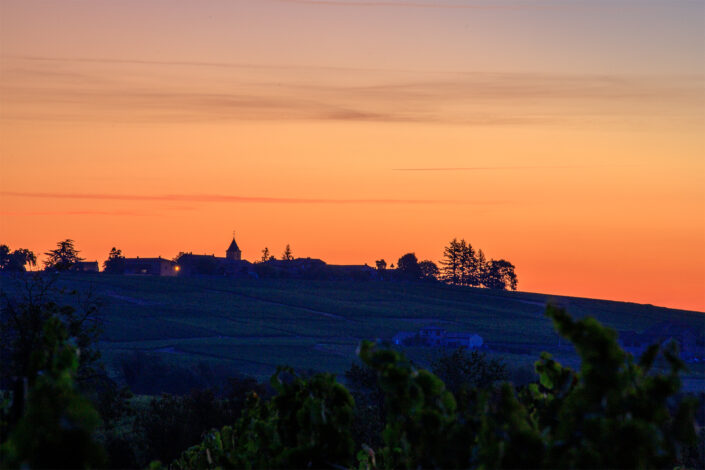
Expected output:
(437, 336)
(85, 267)
(150, 266)
(211, 265)
(462, 340)
(433, 335)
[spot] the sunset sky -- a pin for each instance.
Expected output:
(567, 136)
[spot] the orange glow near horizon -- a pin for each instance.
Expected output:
(161, 129)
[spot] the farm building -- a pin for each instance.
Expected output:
(151, 266)
(437, 336)
(462, 340)
(401, 337)
(211, 265)
(85, 267)
(433, 335)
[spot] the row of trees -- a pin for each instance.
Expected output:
(61, 258)
(15, 261)
(461, 265)
(287, 255)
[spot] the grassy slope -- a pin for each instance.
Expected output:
(254, 325)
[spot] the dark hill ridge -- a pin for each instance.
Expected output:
(252, 325)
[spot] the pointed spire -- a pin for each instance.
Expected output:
(233, 245)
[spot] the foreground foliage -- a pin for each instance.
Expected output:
(613, 413)
(307, 424)
(56, 429)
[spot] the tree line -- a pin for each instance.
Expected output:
(460, 265)
(61, 258)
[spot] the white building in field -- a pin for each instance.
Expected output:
(462, 340)
(437, 336)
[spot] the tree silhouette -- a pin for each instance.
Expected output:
(451, 265)
(381, 264)
(287, 256)
(16, 260)
(428, 270)
(63, 257)
(481, 268)
(265, 254)
(461, 265)
(500, 275)
(468, 265)
(408, 266)
(115, 264)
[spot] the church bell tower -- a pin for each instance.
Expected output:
(233, 253)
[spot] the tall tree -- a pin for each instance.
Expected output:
(481, 268)
(459, 264)
(265, 254)
(115, 264)
(501, 275)
(63, 257)
(287, 255)
(451, 266)
(408, 266)
(428, 270)
(468, 264)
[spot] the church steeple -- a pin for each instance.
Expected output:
(233, 252)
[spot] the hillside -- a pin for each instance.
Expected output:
(251, 326)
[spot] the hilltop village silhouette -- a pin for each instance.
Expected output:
(231, 265)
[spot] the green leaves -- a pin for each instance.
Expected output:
(56, 429)
(307, 424)
(421, 413)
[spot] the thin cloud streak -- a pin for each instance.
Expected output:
(491, 168)
(481, 5)
(44, 93)
(186, 63)
(435, 5)
(67, 213)
(232, 199)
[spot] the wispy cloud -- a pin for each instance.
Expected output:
(49, 89)
(79, 213)
(222, 198)
(490, 168)
(177, 63)
(466, 5)
(484, 4)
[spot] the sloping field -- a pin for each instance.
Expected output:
(251, 326)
